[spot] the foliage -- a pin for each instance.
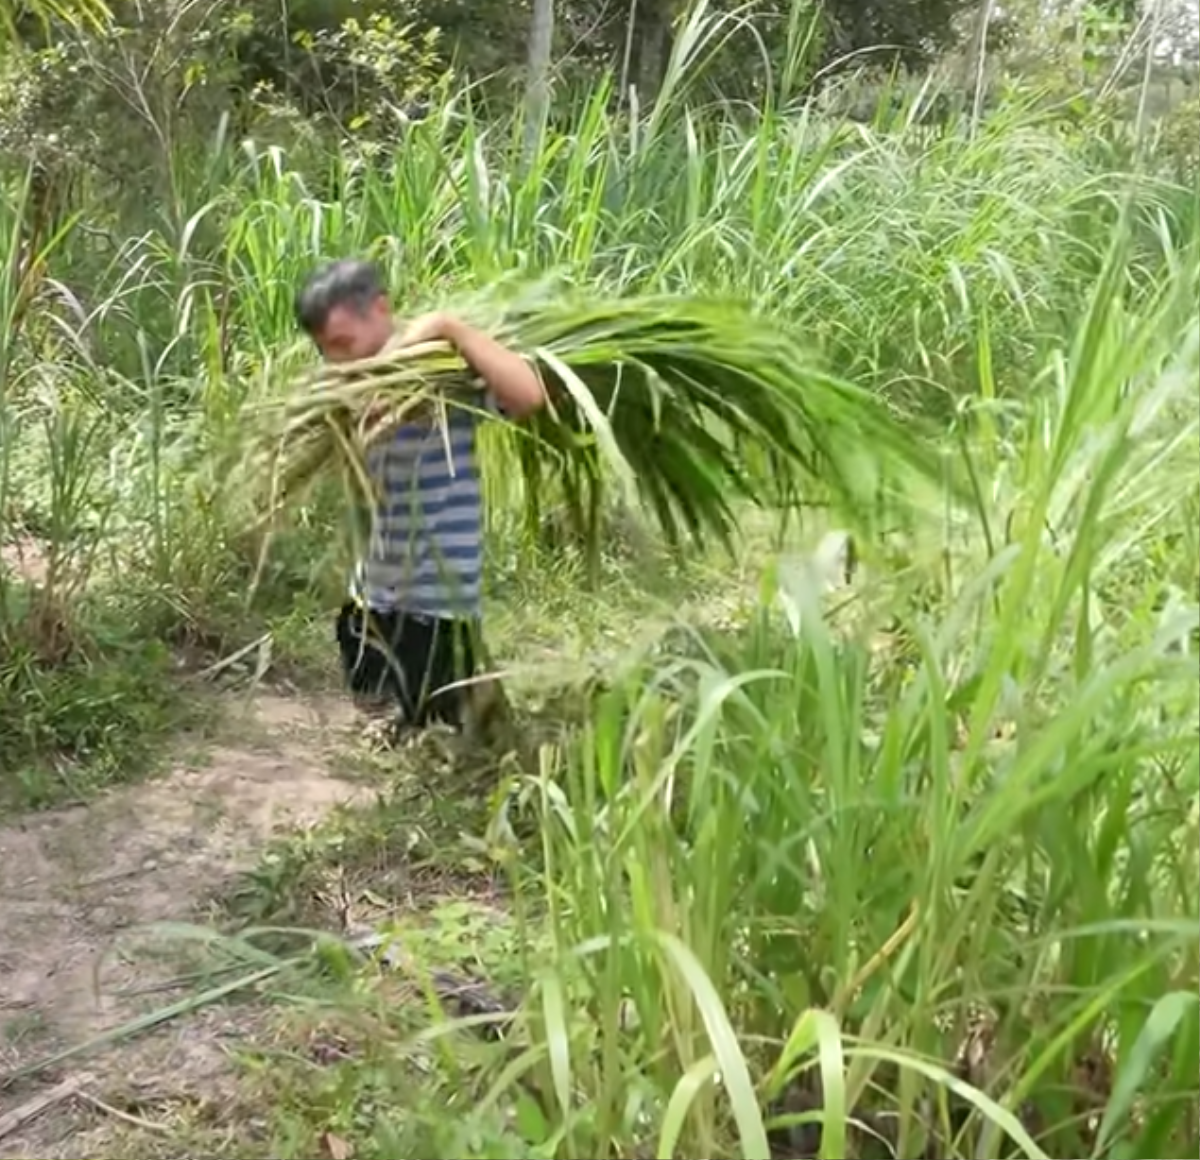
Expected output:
(1180, 137)
(17, 15)
(911, 34)
(903, 882)
(923, 868)
(78, 726)
(144, 348)
(161, 79)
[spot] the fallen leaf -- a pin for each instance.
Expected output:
(337, 1148)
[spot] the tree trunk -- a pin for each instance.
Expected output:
(537, 93)
(976, 60)
(652, 43)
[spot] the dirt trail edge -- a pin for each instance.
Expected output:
(72, 880)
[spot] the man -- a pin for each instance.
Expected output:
(412, 627)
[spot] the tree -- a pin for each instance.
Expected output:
(910, 33)
(541, 42)
(648, 41)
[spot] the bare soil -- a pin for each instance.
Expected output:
(75, 881)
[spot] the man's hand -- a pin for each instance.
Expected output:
(437, 327)
(512, 381)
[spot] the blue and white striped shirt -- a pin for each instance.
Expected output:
(425, 554)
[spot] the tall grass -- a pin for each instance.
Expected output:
(919, 877)
(804, 861)
(890, 248)
(921, 880)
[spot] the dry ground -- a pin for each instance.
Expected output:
(75, 881)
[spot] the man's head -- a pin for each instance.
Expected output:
(344, 308)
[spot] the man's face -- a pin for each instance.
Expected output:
(351, 333)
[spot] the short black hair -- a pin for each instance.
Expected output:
(347, 282)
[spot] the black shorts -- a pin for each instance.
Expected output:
(408, 660)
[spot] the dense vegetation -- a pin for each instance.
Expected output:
(914, 874)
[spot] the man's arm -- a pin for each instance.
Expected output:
(510, 379)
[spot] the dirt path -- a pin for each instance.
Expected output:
(72, 880)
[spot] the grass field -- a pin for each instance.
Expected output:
(906, 869)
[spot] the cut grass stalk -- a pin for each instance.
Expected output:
(672, 397)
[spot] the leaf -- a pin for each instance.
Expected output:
(688, 1087)
(1160, 1025)
(818, 1029)
(995, 1114)
(336, 1147)
(735, 1073)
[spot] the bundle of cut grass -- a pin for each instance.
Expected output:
(691, 405)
